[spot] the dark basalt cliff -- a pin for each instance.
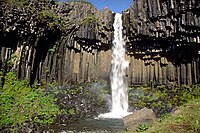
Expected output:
(68, 42)
(163, 41)
(71, 42)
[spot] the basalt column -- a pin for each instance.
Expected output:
(164, 36)
(69, 43)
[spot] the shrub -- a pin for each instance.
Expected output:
(20, 103)
(163, 98)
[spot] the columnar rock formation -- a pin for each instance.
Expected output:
(72, 41)
(38, 50)
(163, 41)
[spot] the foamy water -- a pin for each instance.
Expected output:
(119, 107)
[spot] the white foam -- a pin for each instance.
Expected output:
(114, 115)
(119, 107)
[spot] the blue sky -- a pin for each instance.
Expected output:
(114, 5)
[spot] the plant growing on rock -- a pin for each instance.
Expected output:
(26, 16)
(81, 1)
(90, 19)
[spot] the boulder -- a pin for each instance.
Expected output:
(143, 116)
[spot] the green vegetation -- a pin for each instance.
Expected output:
(49, 17)
(142, 127)
(43, 11)
(78, 93)
(90, 19)
(52, 50)
(187, 121)
(81, 1)
(162, 99)
(15, 3)
(20, 103)
(10, 62)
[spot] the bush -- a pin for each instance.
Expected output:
(162, 99)
(20, 103)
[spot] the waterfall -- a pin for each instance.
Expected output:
(119, 107)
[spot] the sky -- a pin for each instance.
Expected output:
(114, 5)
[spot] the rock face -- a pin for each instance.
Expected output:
(39, 50)
(163, 41)
(71, 42)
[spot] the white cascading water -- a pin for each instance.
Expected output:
(119, 64)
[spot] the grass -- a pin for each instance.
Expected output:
(187, 120)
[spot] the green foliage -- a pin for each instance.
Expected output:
(16, 3)
(19, 103)
(1, 79)
(163, 117)
(42, 10)
(52, 50)
(90, 19)
(71, 112)
(179, 118)
(10, 62)
(142, 127)
(162, 99)
(49, 17)
(187, 120)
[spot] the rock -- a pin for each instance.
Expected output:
(45, 132)
(175, 111)
(69, 132)
(169, 27)
(79, 49)
(66, 132)
(132, 121)
(69, 52)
